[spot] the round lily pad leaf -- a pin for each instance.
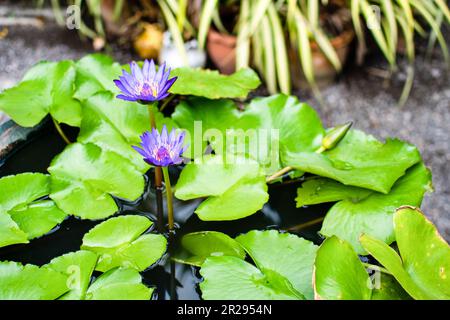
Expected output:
(284, 265)
(95, 73)
(360, 160)
(119, 284)
(119, 242)
(22, 215)
(22, 189)
(339, 274)
(266, 130)
(78, 266)
(115, 125)
(423, 268)
(10, 233)
(234, 190)
(38, 218)
(361, 210)
(232, 278)
(29, 282)
(197, 246)
(286, 254)
(51, 84)
(285, 126)
(84, 178)
(213, 85)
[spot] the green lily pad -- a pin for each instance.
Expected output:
(213, 85)
(29, 282)
(204, 119)
(10, 233)
(119, 284)
(119, 242)
(339, 274)
(359, 160)
(284, 266)
(78, 267)
(22, 215)
(84, 178)
(95, 73)
(116, 284)
(38, 218)
(115, 125)
(286, 254)
(291, 127)
(197, 246)
(363, 211)
(267, 130)
(234, 191)
(423, 268)
(232, 278)
(51, 86)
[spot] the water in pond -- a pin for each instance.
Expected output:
(173, 280)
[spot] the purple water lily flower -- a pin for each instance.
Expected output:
(162, 150)
(145, 85)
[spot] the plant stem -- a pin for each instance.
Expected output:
(375, 267)
(169, 195)
(60, 131)
(288, 169)
(151, 116)
(166, 102)
(306, 224)
(279, 173)
(158, 177)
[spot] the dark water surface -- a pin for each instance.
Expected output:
(173, 280)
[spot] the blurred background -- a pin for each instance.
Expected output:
(382, 64)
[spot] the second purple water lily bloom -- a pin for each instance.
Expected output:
(146, 84)
(162, 150)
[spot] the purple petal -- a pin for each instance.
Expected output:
(141, 151)
(165, 77)
(146, 69)
(152, 70)
(146, 98)
(136, 71)
(123, 97)
(156, 136)
(162, 96)
(168, 84)
(129, 84)
(164, 135)
(172, 136)
(122, 87)
(160, 73)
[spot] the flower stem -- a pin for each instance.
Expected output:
(288, 169)
(169, 195)
(158, 177)
(166, 102)
(60, 131)
(306, 224)
(151, 116)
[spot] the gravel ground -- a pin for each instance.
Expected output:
(367, 99)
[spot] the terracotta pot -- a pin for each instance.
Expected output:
(222, 51)
(323, 70)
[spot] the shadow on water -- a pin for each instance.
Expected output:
(172, 280)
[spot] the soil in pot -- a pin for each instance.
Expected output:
(173, 280)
